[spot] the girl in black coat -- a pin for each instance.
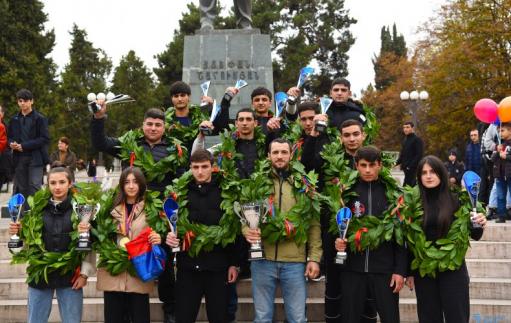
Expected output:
(446, 295)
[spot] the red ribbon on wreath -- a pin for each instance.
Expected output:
(358, 236)
(399, 204)
(132, 158)
(179, 150)
(188, 239)
(290, 228)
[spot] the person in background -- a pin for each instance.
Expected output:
(5, 154)
(454, 167)
(501, 158)
(91, 168)
(473, 153)
(411, 152)
(64, 155)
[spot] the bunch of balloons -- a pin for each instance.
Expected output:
(488, 111)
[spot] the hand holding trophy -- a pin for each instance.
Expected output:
(343, 218)
(472, 183)
(15, 206)
(205, 130)
(110, 98)
(321, 125)
(305, 74)
(86, 213)
(171, 209)
(251, 214)
(239, 85)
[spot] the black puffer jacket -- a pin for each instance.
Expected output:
(502, 167)
(204, 207)
(342, 111)
(389, 257)
(57, 227)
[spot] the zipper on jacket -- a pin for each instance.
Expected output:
(370, 212)
(281, 181)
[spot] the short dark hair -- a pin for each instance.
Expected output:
(280, 141)
(246, 110)
(261, 91)
(351, 122)
(506, 125)
(201, 155)
(154, 113)
(64, 140)
(308, 105)
(369, 153)
(59, 167)
(24, 94)
(409, 123)
(180, 87)
(341, 81)
(141, 181)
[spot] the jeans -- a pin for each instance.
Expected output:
(503, 188)
(493, 197)
(70, 304)
(265, 276)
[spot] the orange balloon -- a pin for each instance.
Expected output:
(504, 109)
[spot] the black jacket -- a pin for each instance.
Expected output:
(39, 138)
(204, 207)
(389, 257)
(342, 111)
(311, 156)
(502, 167)
(246, 165)
(412, 149)
(112, 146)
(455, 170)
(57, 229)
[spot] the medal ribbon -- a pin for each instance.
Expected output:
(132, 158)
(297, 149)
(358, 236)
(290, 228)
(400, 203)
(125, 224)
(188, 239)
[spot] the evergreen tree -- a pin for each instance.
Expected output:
(131, 77)
(393, 48)
(25, 46)
(87, 71)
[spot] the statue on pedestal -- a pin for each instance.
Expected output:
(242, 8)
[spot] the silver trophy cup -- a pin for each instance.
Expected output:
(86, 213)
(251, 214)
(343, 220)
(15, 206)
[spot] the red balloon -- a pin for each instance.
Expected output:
(486, 110)
(504, 109)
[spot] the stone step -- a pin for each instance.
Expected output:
(480, 288)
(497, 310)
(489, 268)
(489, 249)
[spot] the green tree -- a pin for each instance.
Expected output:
(131, 77)
(87, 71)
(393, 47)
(25, 46)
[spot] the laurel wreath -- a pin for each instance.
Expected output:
(199, 237)
(40, 261)
(131, 150)
(443, 254)
(293, 224)
(184, 133)
(368, 231)
(111, 257)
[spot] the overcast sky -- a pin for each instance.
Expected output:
(118, 26)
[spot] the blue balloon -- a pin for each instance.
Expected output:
(496, 122)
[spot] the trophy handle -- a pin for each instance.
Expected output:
(236, 207)
(266, 208)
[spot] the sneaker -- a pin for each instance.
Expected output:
(491, 214)
(501, 220)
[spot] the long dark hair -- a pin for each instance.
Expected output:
(141, 181)
(440, 195)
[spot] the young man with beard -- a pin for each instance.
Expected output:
(286, 263)
(382, 270)
(207, 273)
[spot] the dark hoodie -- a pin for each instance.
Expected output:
(342, 111)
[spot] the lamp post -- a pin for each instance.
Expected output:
(413, 101)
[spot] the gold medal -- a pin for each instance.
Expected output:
(123, 241)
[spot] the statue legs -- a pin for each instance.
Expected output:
(242, 9)
(207, 14)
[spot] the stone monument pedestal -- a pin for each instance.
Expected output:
(223, 57)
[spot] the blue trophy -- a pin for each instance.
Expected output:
(305, 74)
(239, 85)
(15, 206)
(171, 208)
(321, 125)
(280, 103)
(343, 218)
(204, 87)
(472, 182)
